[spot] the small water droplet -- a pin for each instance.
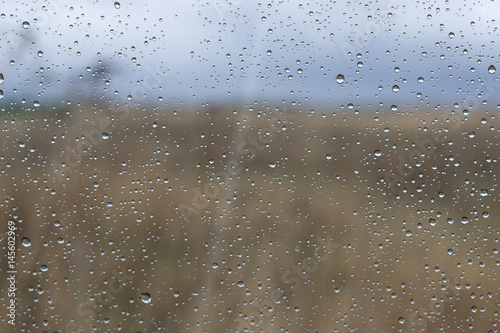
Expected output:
(40, 53)
(26, 24)
(21, 144)
(117, 5)
(492, 69)
(377, 153)
(465, 220)
(241, 284)
(104, 136)
(328, 156)
(36, 103)
(401, 320)
(340, 78)
(145, 298)
(272, 164)
(1, 78)
(483, 192)
(26, 242)
(176, 294)
(1, 94)
(395, 88)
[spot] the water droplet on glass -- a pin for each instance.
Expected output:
(395, 88)
(36, 103)
(272, 164)
(401, 320)
(241, 284)
(117, 5)
(465, 220)
(26, 242)
(340, 78)
(328, 156)
(483, 192)
(40, 53)
(1, 78)
(145, 298)
(377, 153)
(492, 69)
(104, 136)
(21, 144)
(26, 24)
(420, 79)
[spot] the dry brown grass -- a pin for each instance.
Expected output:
(387, 261)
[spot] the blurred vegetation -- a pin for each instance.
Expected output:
(309, 203)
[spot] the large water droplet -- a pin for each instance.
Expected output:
(340, 78)
(1, 94)
(26, 242)
(492, 69)
(26, 24)
(117, 5)
(104, 136)
(395, 88)
(1, 78)
(483, 192)
(145, 298)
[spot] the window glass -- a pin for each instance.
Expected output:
(223, 166)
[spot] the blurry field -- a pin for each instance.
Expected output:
(221, 219)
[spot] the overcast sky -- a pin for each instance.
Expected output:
(195, 52)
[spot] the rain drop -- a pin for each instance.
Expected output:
(117, 5)
(26, 242)
(26, 24)
(145, 298)
(492, 69)
(395, 88)
(104, 136)
(340, 78)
